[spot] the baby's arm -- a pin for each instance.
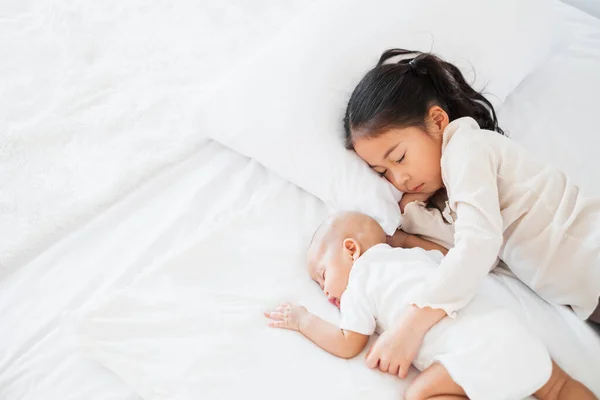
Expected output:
(339, 342)
(408, 241)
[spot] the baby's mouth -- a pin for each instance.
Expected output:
(335, 301)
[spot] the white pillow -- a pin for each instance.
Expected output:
(284, 107)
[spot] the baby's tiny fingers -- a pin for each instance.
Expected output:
(277, 324)
(281, 308)
(275, 315)
(403, 371)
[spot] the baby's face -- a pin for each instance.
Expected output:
(331, 270)
(336, 245)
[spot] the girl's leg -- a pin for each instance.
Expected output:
(561, 386)
(434, 383)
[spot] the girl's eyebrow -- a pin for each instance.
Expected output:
(387, 153)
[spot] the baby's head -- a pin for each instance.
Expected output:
(338, 242)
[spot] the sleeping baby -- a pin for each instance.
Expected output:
(482, 353)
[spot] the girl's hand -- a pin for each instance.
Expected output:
(408, 241)
(410, 197)
(287, 316)
(398, 240)
(396, 348)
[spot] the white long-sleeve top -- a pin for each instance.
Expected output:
(511, 206)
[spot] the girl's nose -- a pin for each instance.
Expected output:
(400, 178)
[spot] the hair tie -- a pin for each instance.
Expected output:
(412, 64)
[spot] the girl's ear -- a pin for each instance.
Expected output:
(352, 248)
(438, 119)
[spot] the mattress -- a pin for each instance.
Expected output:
(171, 276)
(38, 358)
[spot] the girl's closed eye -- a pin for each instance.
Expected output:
(401, 159)
(382, 173)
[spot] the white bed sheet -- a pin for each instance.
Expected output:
(185, 203)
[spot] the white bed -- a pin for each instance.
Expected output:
(157, 291)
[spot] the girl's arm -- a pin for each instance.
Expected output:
(471, 179)
(408, 241)
(396, 348)
(410, 197)
(470, 168)
(413, 241)
(339, 342)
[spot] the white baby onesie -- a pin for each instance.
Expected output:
(511, 206)
(485, 349)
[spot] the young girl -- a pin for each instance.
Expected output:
(422, 127)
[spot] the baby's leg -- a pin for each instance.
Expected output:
(561, 386)
(434, 383)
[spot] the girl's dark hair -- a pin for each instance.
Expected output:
(400, 94)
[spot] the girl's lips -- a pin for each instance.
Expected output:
(418, 188)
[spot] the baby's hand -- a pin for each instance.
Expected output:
(287, 316)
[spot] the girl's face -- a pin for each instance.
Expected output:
(409, 158)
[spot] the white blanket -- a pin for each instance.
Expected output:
(96, 97)
(180, 206)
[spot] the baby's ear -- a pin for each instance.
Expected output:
(352, 248)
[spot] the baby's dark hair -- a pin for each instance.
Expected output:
(400, 94)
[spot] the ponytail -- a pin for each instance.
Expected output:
(400, 94)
